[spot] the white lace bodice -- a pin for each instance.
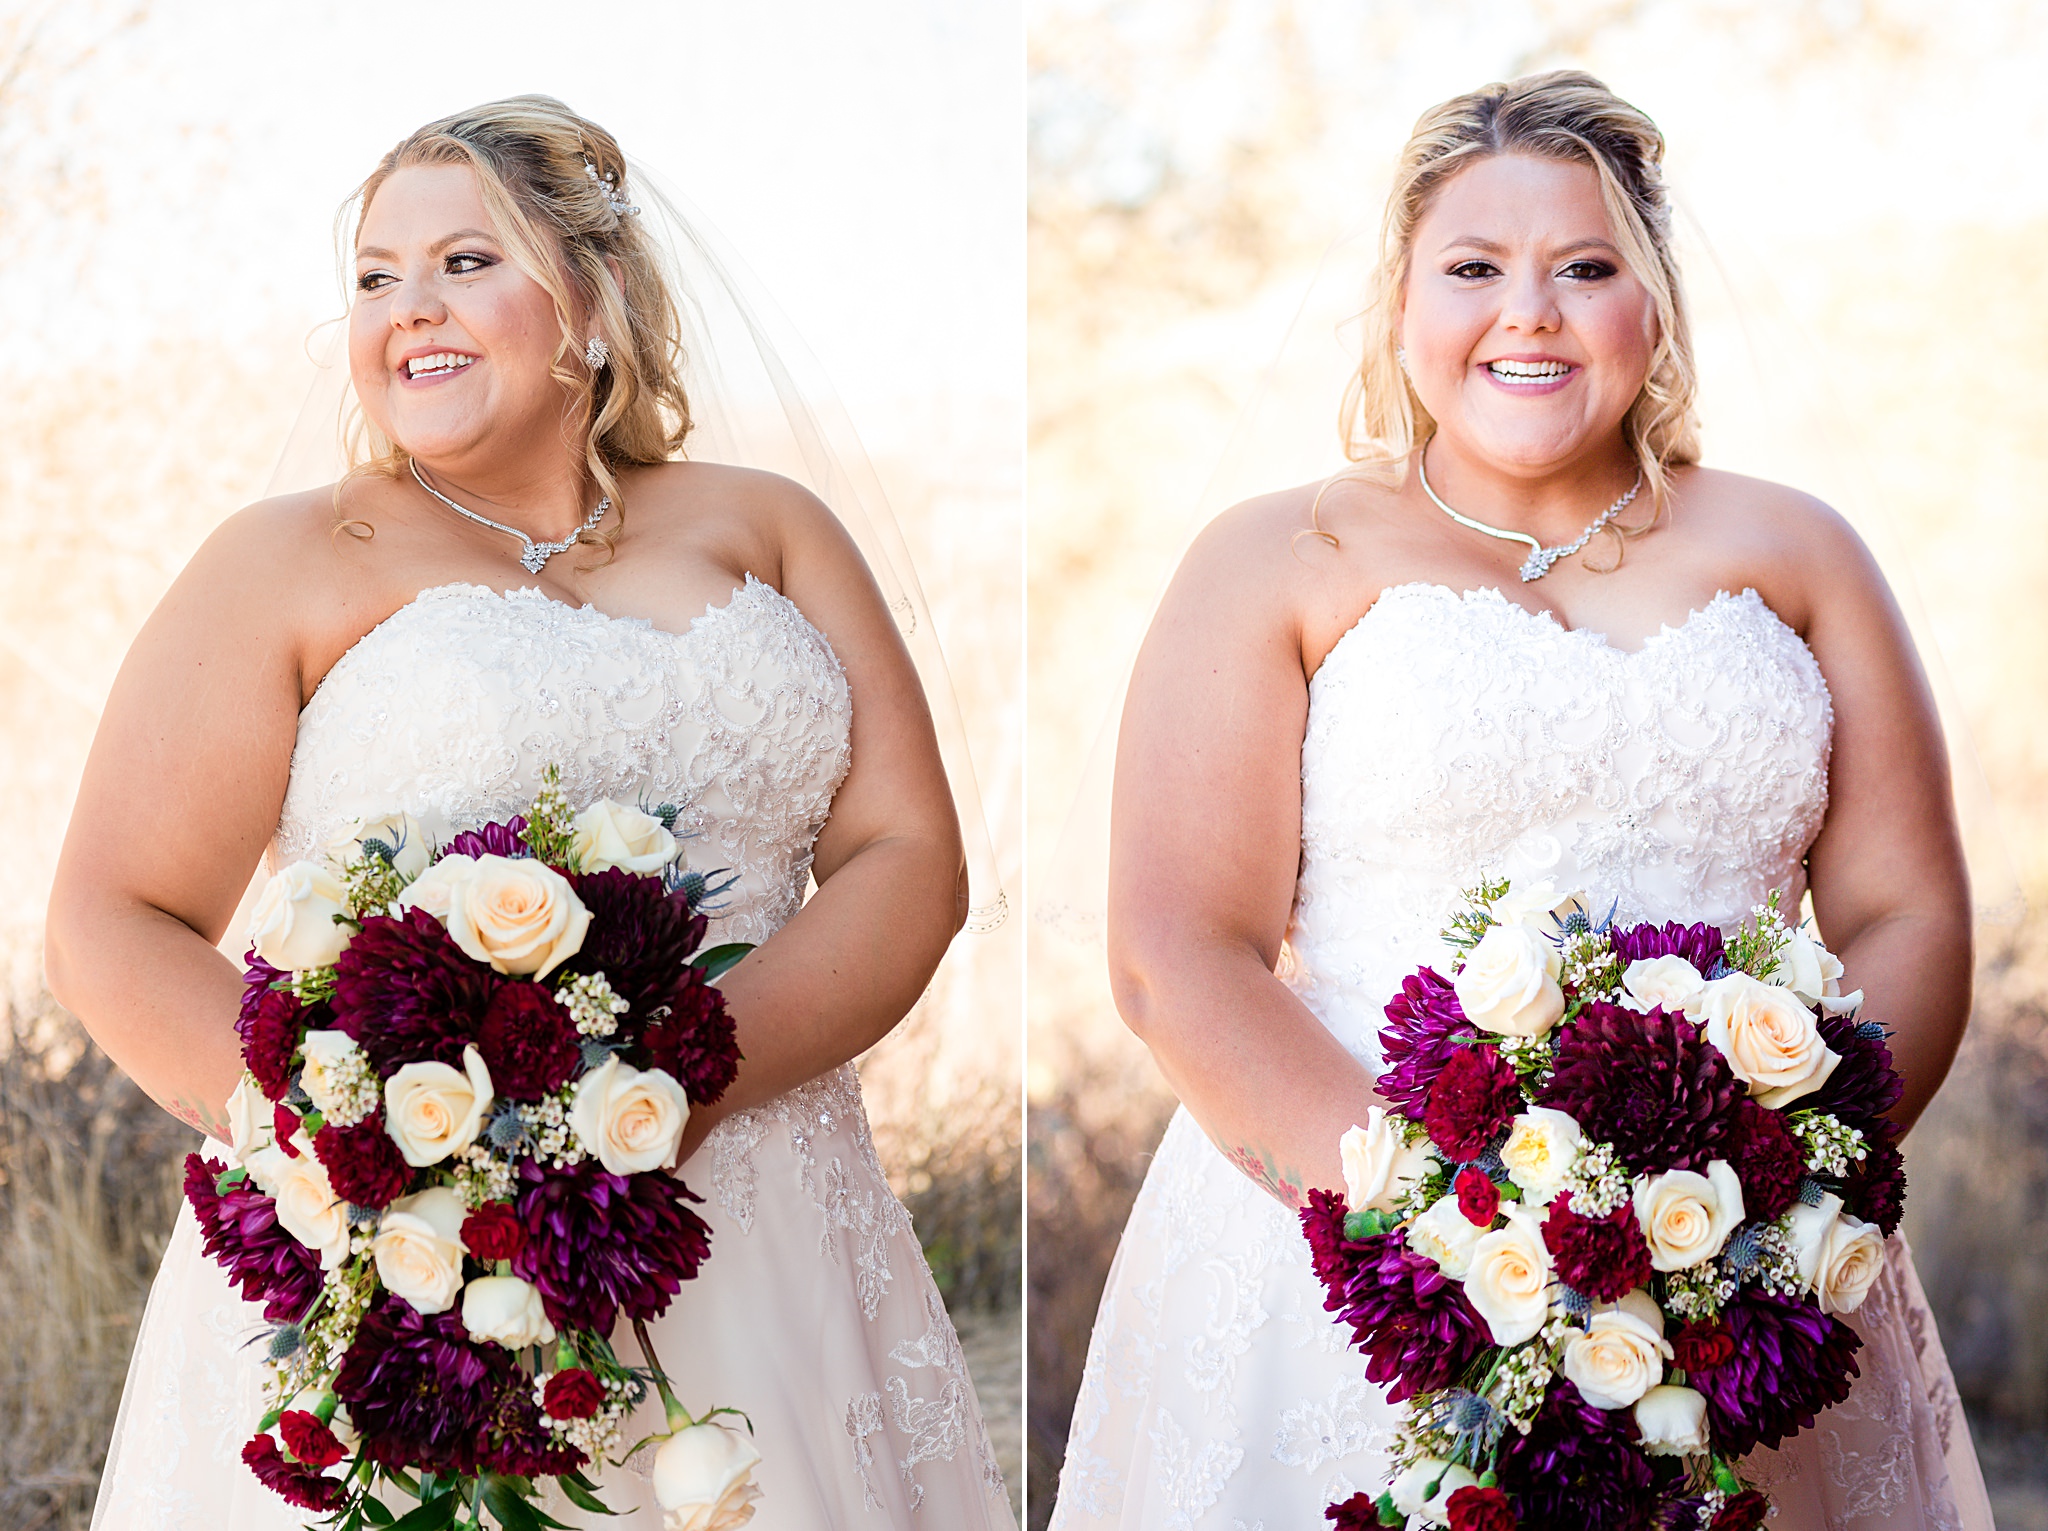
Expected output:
(1453, 736)
(453, 706)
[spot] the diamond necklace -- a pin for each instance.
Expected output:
(1540, 558)
(537, 554)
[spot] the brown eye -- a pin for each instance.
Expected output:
(1474, 270)
(1588, 271)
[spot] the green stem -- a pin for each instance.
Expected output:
(678, 1416)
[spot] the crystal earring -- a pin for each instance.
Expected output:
(1401, 357)
(597, 355)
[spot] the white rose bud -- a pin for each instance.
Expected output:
(1378, 1166)
(400, 831)
(704, 1479)
(1543, 1146)
(418, 1248)
(1446, 1235)
(630, 1119)
(1672, 1421)
(1536, 903)
(1621, 1354)
(1408, 1490)
(610, 834)
(1668, 982)
(325, 1052)
(252, 1123)
(294, 924)
(520, 916)
(1771, 1041)
(307, 1207)
(432, 1111)
(507, 1310)
(434, 889)
(1509, 1281)
(1807, 968)
(1687, 1217)
(1839, 1256)
(1508, 984)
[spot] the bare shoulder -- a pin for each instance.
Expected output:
(755, 522)
(1794, 549)
(1263, 549)
(269, 565)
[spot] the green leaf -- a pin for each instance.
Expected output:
(227, 1179)
(574, 1485)
(437, 1514)
(1389, 1516)
(513, 1513)
(1369, 1224)
(409, 1484)
(374, 1511)
(716, 961)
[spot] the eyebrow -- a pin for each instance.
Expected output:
(372, 252)
(1475, 242)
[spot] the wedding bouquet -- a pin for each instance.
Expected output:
(468, 1070)
(1600, 1246)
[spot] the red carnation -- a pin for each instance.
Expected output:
(271, 1024)
(307, 1437)
(1768, 1160)
(1478, 1196)
(1471, 1102)
(1744, 1512)
(527, 1041)
(285, 1122)
(1694, 1346)
(689, 1037)
(1480, 1509)
(363, 1165)
(296, 1483)
(493, 1232)
(1602, 1257)
(1358, 1513)
(573, 1394)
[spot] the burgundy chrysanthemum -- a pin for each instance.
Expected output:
(598, 1244)
(1742, 1512)
(1875, 1187)
(1789, 1361)
(1578, 1466)
(1701, 945)
(574, 1393)
(419, 1390)
(1647, 1083)
(693, 1042)
(297, 1484)
(363, 1165)
(493, 1232)
(1416, 1041)
(1412, 1322)
(1474, 1098)
(1478, 1196)
(1694, 1347)
(528, 1042)
(490, 840)
(270, 1026)
(1603, 1258)
(1864, 1084)
(1480, 1509)
(1768, 1160)
(640, 936)
(239, 1230)
(307, 1437)
(1358, 1513)
(408, 994)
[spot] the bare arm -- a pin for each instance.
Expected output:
(1890, 890)
(1205, 843)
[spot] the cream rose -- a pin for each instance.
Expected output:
(1378, 1166)
(432, 1111)
(400, 832)
(1509, 1281)
(1535, 902)
(519, 916)
(294, 924)
(505, 1309)
(1770, 1039)
(434, 889)
(1807, 968)
(1669, 982)
(1509, 983)
(326, 1052)
(1839, 1256)
(252, 1124)
(1672, 1421)
(630, 1119)
(1621, 1354)
(704, 1479)
(1542, 1147)
(1446, 1235)
(1686, 1217)
(610, 834)
(418, 1248)
(1411, 1496)
(307, 1207)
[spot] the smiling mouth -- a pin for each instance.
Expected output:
(1524, 373)
(441, 364)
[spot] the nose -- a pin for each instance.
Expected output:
(1529, 304)
(416, 303)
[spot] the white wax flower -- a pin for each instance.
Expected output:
(1672, 1421)
(1378, 1166)
(294, 924)
(1669, 982)
(1686, 1217)
(1771, 1040)
(1620, 1355)
(326, 1054)
(609, 834)
(1508, 984)
(704, 1478)
(1543, 1146)
(418, 1248)
(1509, 1279)
(432, 1111)
(520, 916)
(629, 1119)
(507, 1310)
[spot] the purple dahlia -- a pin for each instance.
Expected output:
(599, 1244)
(1412, 1322)
(270, 1026)
(1416, 1041)
(1864, 1084)
(296, 1483)
(1603, 1258)
(516, 1442)
(419, 1390)
(1700, 945)
(528, 1042)
(1789, 1361)
(363, 1164)
(1768, 1160)
(240, 1231)
(1474, 1098)
(1743, 1512)
(1650, 1084)
(408, 994)
(690, 1037)
(1579, 1466)
(640, 937)
(1875, 1187)
(490, 840)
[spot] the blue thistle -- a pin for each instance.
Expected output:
(378, 850)
(506, 1131)
(284, 1342)
(1869, 1031)
(1811, 1192)
(595, 1051)
(1744, 1249)
(1577, 1304)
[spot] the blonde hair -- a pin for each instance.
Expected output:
(559, 225)
(1563, 115)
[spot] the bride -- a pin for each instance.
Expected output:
(690, 633)
(1350, 691)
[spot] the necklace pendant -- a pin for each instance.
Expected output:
(1536, 565)
(534, 559)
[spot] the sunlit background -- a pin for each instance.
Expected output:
(1865, 230)
(169, 175)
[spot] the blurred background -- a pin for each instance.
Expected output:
(1865, 234)
(169, 176)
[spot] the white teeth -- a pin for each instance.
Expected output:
(441, 361)
(1528, 371)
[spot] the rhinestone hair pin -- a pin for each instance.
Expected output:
(609, 185)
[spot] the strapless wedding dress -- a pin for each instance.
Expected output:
(816, 1312)
(1448, 736)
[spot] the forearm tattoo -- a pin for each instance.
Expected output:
(199, 1118)
(1283, 1186)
